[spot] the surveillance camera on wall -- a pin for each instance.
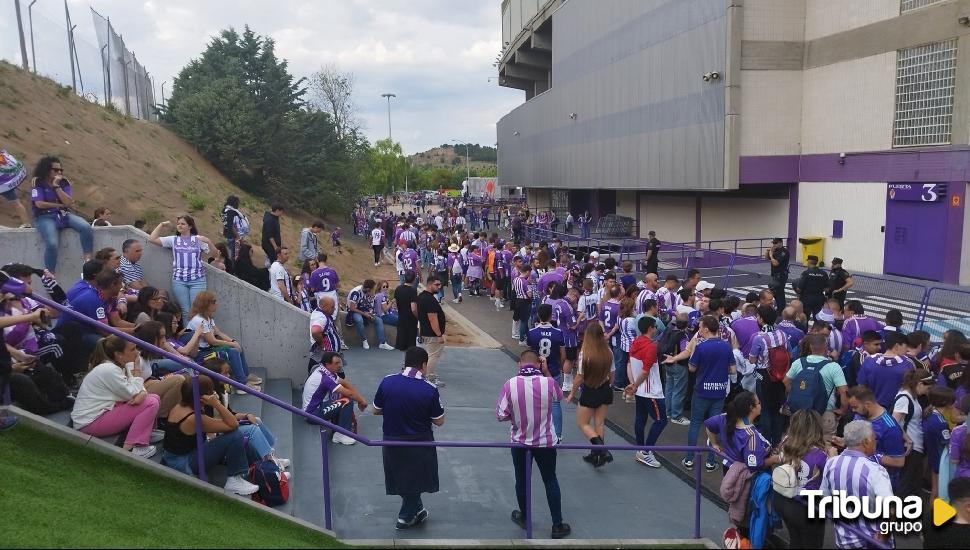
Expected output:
(715, 75)
(706, 77)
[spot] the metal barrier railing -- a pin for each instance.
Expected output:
(324, 425)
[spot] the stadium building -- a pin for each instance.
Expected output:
(726, 119)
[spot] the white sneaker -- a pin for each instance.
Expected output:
(386, 346)
(681, 421)
(283, 463)
(366, 344)
(144, 451)
(343, 439)
(157, 435)
(253, 379)
(239, 486)
(647, 459)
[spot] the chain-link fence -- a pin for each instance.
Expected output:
(92, 60)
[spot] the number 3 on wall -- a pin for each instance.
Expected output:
(929, 193)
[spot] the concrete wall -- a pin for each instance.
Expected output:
(771, 112)
(849, 106)
(826, 17)
(274, 335)
(774, 20)
(861, 206)
(626, 204)
(672, 217)
(742, 218)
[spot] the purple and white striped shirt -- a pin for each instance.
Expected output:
(186, 257)
(835, 340)
(520, 286)
(645, 294)
(526, 401)
(856, 475)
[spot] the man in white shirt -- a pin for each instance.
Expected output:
(280, 285)
(439, 221)
(377, 242)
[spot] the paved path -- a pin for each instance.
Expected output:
(622, 500)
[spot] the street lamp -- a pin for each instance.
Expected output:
(468, 169)
(30, 17)
(388, 96)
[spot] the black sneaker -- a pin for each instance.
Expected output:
(710, 467)
(561, 531)
(401, 525)
(591, 458)
(518, 518)
(421, 517)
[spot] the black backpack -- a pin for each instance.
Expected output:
(670, 341)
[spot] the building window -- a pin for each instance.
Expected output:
(909, 5)
(925, 78)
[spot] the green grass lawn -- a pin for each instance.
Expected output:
(56, 494)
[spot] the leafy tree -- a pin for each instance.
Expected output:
(242, 109)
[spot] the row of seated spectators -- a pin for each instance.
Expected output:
(53, 362)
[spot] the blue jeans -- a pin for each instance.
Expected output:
(676, 390)
(228, 447)
(654, 408)
(456, 281)
(771, 423)
(701, 409)
(620, 359)
(161, 367)
(557, 409)
(545, 458)
(390, 319)
(342, 416)
(185, 292)
(259, 441)
(50, 233)
(378, 327)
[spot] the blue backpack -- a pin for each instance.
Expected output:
(808, 388)
(274, 487)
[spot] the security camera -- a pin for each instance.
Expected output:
(706, 77)
(715, 75)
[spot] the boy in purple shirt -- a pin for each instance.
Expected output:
(884, 372)
(856, 322)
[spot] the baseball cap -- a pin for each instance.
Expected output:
(836, 261)
(704, 285)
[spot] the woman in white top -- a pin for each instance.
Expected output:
(111, 400)
(166, 385)
(213, 340)
(188, 271)
(909, 415)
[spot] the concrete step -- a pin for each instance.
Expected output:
(306, 497)
(280, 422)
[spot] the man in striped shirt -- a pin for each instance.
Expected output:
(856, 475)
(526, 401)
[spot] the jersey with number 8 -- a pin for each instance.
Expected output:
(547, 342)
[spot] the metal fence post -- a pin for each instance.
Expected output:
(199, 436)
(325, 456)
(697, 495)
(924, 307)
(528, 493)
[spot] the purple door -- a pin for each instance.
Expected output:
(916, 217)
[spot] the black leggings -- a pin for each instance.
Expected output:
(802, 532)
(377, 252)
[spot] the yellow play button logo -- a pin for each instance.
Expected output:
(942, 512)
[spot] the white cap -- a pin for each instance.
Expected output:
(594, 254)
(704, 285)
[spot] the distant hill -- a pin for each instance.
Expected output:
(453, 156)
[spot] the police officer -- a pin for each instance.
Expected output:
(811, 287)
(778, 256)
(840, 281)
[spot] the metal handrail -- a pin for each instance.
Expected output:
(328, 508)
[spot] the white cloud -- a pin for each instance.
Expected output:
(436, 55)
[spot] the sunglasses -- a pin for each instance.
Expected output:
(57, 169)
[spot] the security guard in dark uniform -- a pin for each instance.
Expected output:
(840, 281)
(811, 287)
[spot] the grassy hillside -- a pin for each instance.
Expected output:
(138, 169)
(446, 157)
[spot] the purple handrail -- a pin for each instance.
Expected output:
(198, 369)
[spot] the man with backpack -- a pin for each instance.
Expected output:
(814, 382)
(771, 356)
(672, 344)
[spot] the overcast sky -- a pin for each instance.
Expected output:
(436, 55)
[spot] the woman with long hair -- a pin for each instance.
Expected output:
(228, 445)
(947, 361)
(803, 455)
(111, 400)
(908, 413)
(733, 433)
(166, 387)
(149, 305)
(164, 332)
(594, 381)
(936, 430)
(214, 340)
(52, 200)
(188, 271)
(247, 270)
